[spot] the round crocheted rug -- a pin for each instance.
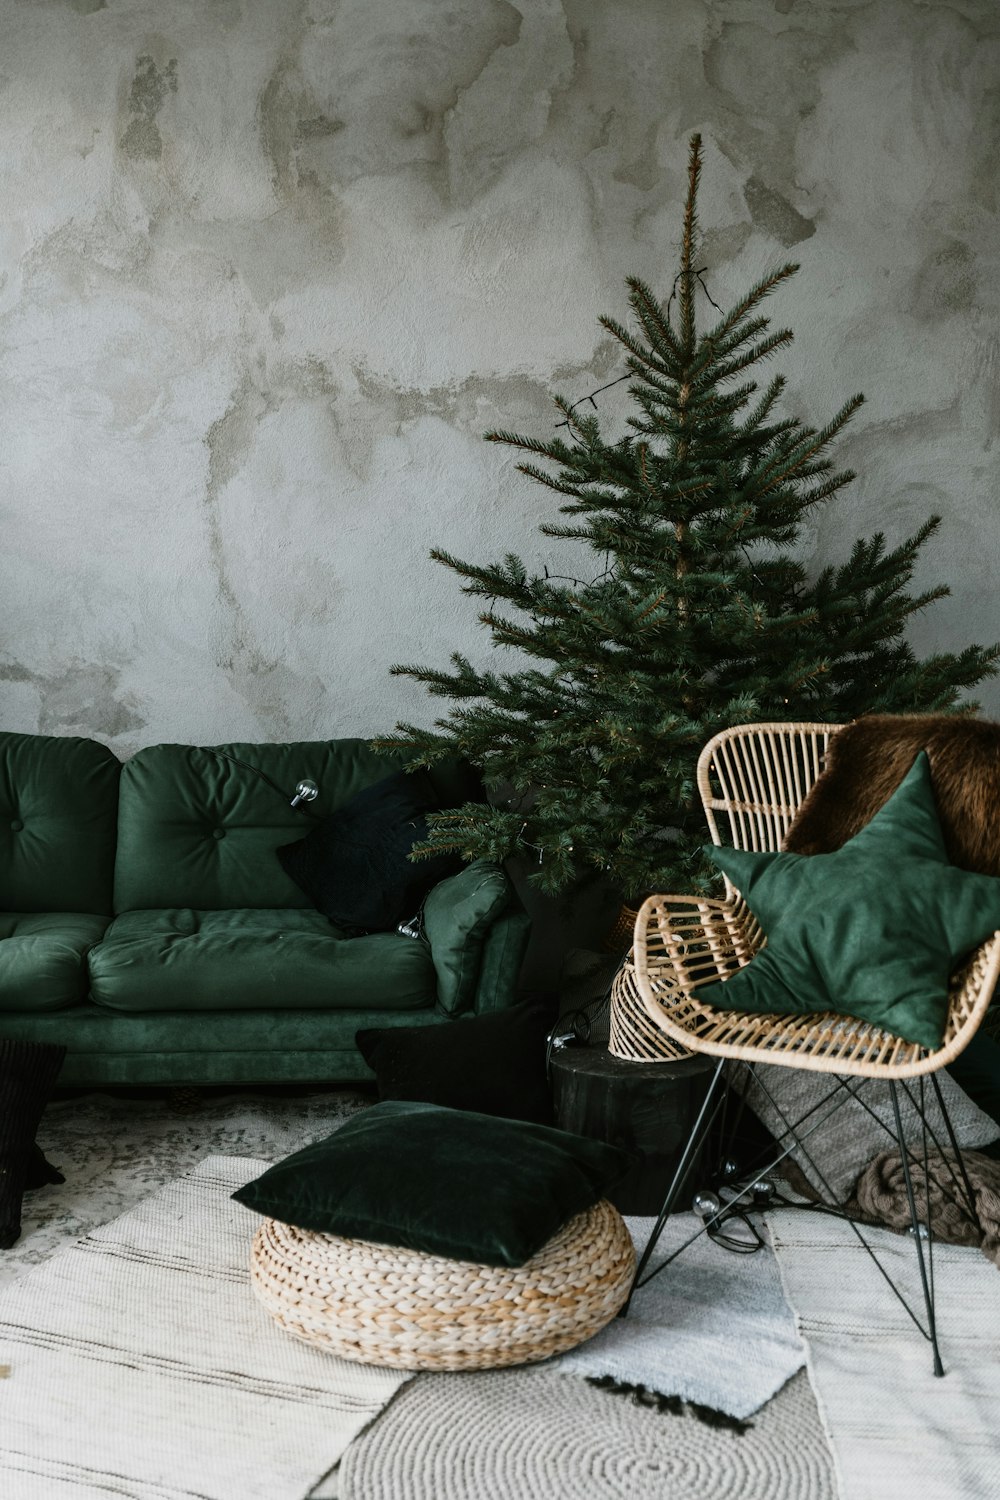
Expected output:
(529, 1435)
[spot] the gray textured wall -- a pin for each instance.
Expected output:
(269, 268)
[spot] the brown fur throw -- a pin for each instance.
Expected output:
(869, 758)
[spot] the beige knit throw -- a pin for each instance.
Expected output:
(880, 1195)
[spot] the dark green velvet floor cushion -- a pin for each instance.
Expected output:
(873, 930)
(494, 1063)
(254, 960)
(355, 865)
(458, 913)
(43, 958)
(442, 1181)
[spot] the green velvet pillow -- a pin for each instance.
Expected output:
(872, 930)
(444, 1181)
(458, 913)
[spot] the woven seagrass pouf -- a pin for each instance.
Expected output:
(383, 1305)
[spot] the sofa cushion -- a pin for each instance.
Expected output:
(115, 1047)
(58, 820)
(458, 913)
(198, 827)
(182, 959)
(355, 865)
(43, 958)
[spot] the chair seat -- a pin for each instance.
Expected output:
(684, 943)
(180, 959)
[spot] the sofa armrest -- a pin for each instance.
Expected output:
(503, 954)
(477, 935)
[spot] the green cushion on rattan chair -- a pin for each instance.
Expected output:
(873, 930)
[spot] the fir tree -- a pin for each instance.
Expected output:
(700, 617)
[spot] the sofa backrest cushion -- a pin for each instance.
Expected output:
(58, 819)
(197, 829)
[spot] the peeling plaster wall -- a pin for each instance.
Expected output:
(269, 268)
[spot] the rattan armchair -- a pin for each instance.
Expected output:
(753, 779)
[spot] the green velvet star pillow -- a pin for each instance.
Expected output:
(872, 930)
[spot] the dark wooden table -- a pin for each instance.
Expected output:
(645, 1107)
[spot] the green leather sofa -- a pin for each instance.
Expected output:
(147, 925)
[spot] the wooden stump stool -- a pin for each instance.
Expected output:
(645, 1107)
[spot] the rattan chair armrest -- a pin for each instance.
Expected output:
(701, 939)
(684, 942)
(970, 993)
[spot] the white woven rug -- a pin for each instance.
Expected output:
(529, 1435)
(142, 1366)
(115, 1150)
(897, 1431)
(713, 1327)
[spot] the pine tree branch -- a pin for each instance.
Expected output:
(666, 366)
(713, 351)
(788, 464)
(553, 448)
(753, 297)
(824, 491)
(654, 323)
(727, 369)
(561, 486)
(766, 405)
(667, 388)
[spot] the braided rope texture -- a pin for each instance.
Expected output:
(384, 1305)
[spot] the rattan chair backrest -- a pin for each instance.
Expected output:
(758, 775)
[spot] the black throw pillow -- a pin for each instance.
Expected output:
(443, 1181)
(354, 865)
(40, 1172)
(493, 1063)
(28, 1071)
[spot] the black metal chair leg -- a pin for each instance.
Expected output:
(959, 1158)
(694, 1143)
(917, 1226)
